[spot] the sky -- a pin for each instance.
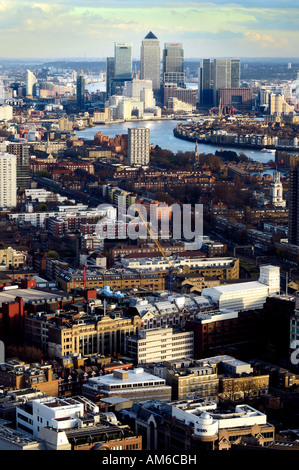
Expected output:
(84, 29)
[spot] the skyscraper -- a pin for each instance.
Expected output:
(293, 203)
(123, 60)
(150, 61)
(226, 74)
(138, 146)
(8, 180)
(21, 151)
(109, 75)
(30, 82)
(205, 82)
(81, 91)
(173, 64)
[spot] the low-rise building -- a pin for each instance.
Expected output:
(136, 385)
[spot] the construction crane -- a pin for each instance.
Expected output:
(171, 266)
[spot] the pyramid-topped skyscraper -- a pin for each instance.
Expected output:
(150, 61)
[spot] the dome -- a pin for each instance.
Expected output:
(205, 418)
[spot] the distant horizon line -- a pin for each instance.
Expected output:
(87, 59)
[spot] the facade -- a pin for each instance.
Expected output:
(159, 344)
(30, 82)
(239, 98)
(276, 191)
(150, 61)
(12, 258)
(62, 335)
(73, 424)
(293, 203)
(196, 425)
(123, 60)
(136, 385)
(183, 94)
(8, 180)
(23, 166)
(278, 106)
(226, 74)
(173, 64)
(81, 92)
(205, 83)
(109, 75)
(246, 295)
(139, 146)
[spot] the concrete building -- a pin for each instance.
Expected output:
(159, 344)
(139, 146)
(226, 74)
(123, 60)
(30, 82)
(136, 385)
(196, 425)
(241, 99)
(150, 61)
(73, 424)
(12, 258)
(246, 295)
(278, 106)
(173, 64)
(8, 180)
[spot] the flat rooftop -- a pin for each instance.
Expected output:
(28, 295)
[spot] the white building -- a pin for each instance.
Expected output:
(158, 263)
(30, 82)
(150, 60)
(6, 113)
(246, 295)
(59, 414)
(139, 146)
(160, 344)
(276, 191)
(136, 385)
(8, 180)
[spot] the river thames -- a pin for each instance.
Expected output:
(161, 133)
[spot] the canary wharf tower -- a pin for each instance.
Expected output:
(150, 61)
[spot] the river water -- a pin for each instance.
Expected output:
(161, 133)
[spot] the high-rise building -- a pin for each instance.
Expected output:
(81, 91)
(109, 76)
(173, 64)
(205, 82)
(150, 61)
(8, 180)
(226, 74)
(138, 146)
(30, 82)
(23, 167)
(293, 203)
(123, 60)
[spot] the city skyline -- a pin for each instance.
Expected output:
(207, 29)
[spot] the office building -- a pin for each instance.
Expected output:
(23, 163)
(30, 82)
(160, 344)
(293, 203)
(195, 425)
(241, 99)
(8, 180)
(187, 95)
(136, 385)
(109, 76)
(139, 146)
(205, 83)
(173, 64)
(246, 295)
(81, 92)
(278, 105)
(123, 60)
(226, 74)
(73, 424)
(150, 61)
